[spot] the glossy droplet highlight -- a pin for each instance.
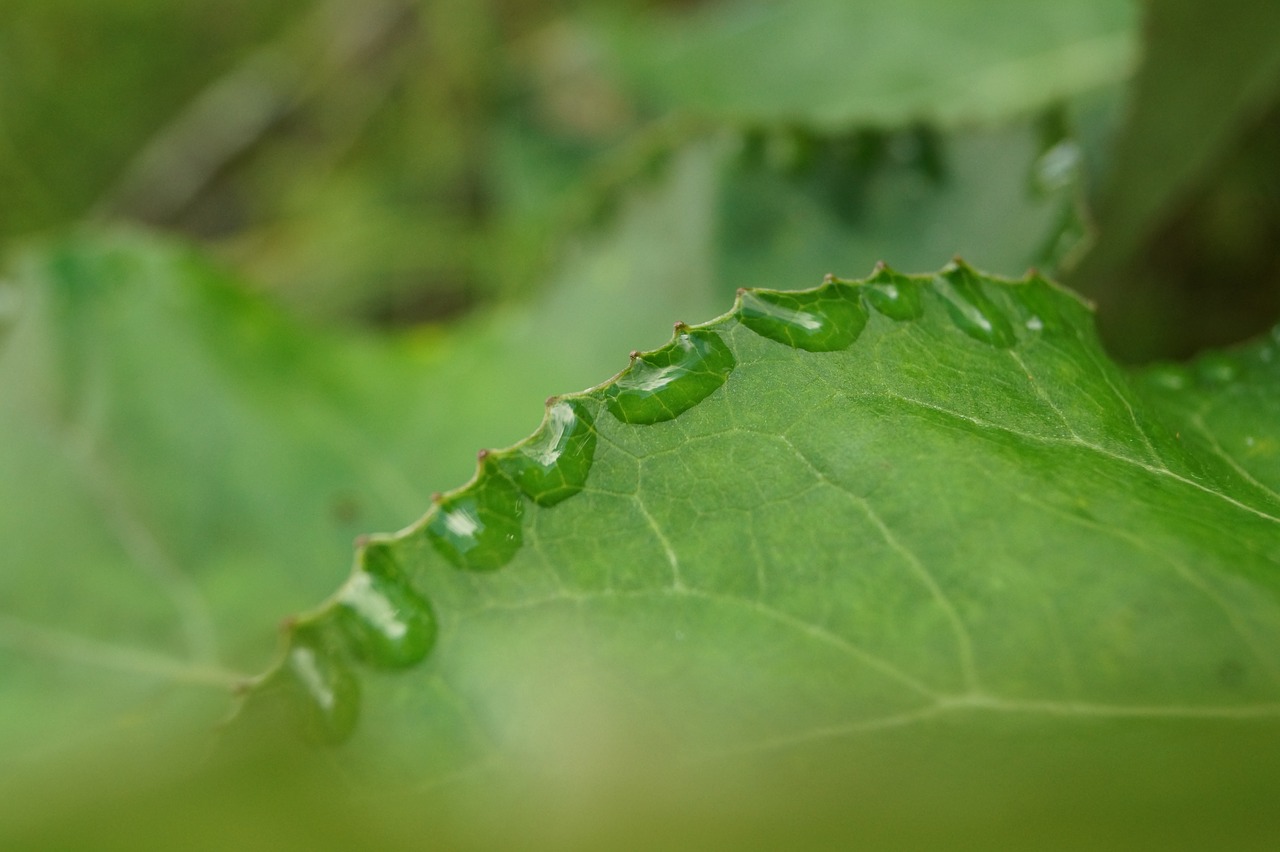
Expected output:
(663, 384)
(479, 527)
(553, 464)
(827, 319)
(386, 622)
(971, 309)
(893, 295)
(324, 691)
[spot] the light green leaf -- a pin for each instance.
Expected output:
(200, 467)
(181, 467)
(831, 64)
(917, 503)
(861, 569)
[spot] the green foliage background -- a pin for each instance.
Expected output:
(277, 270)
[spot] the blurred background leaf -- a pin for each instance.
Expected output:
(399, 161)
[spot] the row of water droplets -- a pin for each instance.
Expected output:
(379, 619)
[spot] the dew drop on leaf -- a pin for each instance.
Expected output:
(555, 462)
(324, 690)
(893, 295)
(479, 527)
(971, 309)
(385, 621)
(663, 384)
(827, 319)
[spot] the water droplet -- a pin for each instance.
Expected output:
(386, 622)
(325, 692)
(1034, 323)
(822, 320)
(1168, 376)
(1216, 368)
(667, 382)
(554, 462)
(893, 295)
(970, 308)
(479, 527)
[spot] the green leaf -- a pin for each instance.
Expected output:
(926, 503)
(795, 205)
(853, 444)
(194, 467)
(830, 64)
(200, 466)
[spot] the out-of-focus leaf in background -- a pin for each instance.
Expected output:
(397, 161)
(829, 64)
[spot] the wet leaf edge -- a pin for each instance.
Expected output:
(318, 643)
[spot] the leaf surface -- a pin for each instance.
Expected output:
(929, 503)
(832, 64)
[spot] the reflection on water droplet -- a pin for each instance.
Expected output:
(325, 693)
(554, 462)
(1034, 323)
(1215, 368)
(822, 320)
(479, 527)
(970, 308)
(667, 382)
(893, 295)
(386, 622)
